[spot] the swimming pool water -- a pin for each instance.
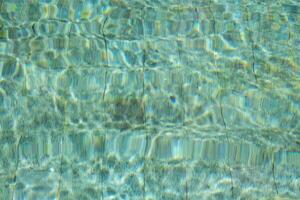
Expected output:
(149, 99)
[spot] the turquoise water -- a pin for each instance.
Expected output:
(149, 99)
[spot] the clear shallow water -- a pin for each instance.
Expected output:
(149, 99)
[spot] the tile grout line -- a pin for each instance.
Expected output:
(106, 57)
(179, 49)
(273, 174)
(144, 102)
(186, 190)
(61, 154)
(60, 176)
(220, 102)
(227, 138)
(273, 162)
(252, 44)
(17, 165)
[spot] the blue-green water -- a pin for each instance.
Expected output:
(149, 99)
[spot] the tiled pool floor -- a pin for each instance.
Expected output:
(132, 99)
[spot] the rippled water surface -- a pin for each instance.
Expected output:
(149, 99)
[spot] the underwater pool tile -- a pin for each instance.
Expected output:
(176, 99)
(121, 56)
(9, 155)
(5, 189)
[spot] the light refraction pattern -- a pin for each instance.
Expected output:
(149, 99)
